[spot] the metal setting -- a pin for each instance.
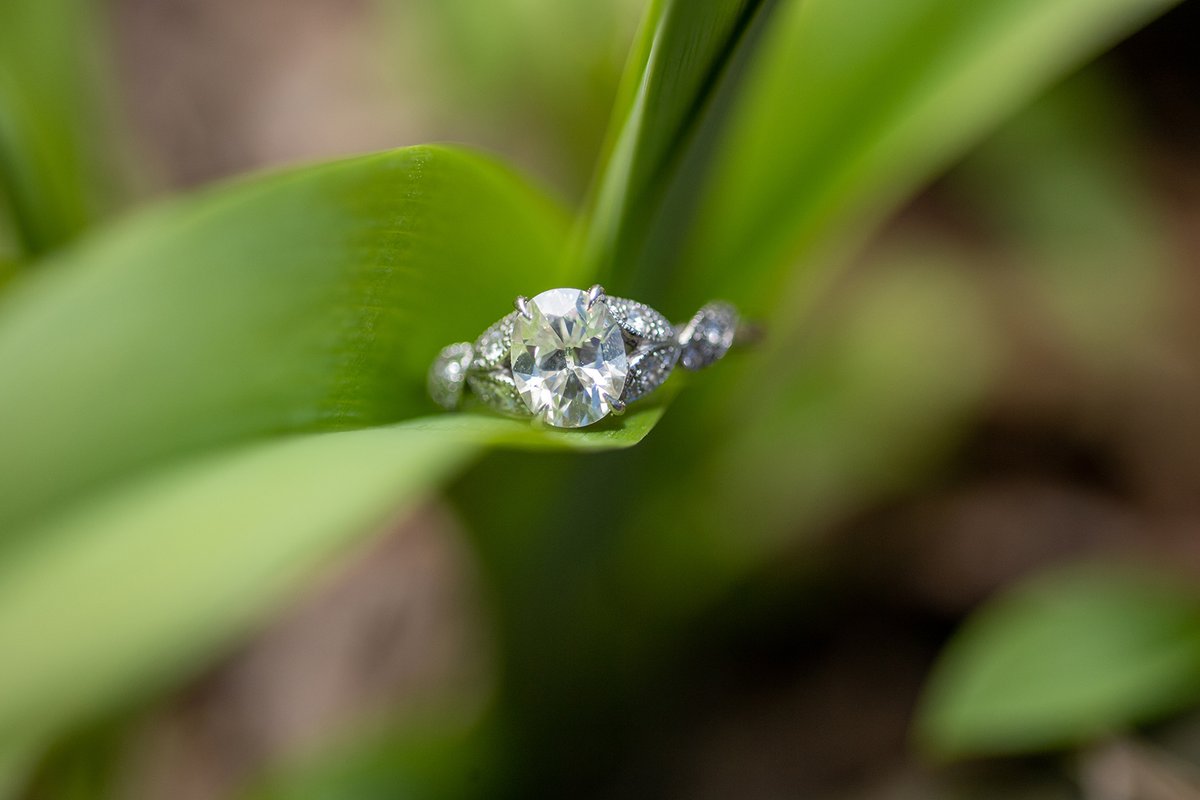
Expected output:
(568, 358)
(522, 306)
(594, 295)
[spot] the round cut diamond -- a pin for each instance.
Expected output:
(568, 360)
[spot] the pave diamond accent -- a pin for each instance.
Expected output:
(498, 391)
(708, 336)
(640, 320)
(568, 360)
(493, 345)
(650, 341)
(648, 370)
(447, 374)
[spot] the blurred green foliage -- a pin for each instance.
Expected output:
(206, 401)
(57, 158)
(879, 96)
(304, 497)
(1060, 187)
(535, 72)
(1070, 657)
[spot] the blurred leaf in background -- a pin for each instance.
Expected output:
(1068, 658)
(535, 78)
(817, 68)
(58, 161)
(858, 107)
(846, 426)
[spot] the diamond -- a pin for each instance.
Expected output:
(446, 376)
(493, 345)
(649, 368)
(650, 343)
(641, 321)
(497, 391)
(568, 360)
(708, 336)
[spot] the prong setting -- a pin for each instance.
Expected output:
(617, 405)
(522, 306)
(595, 295)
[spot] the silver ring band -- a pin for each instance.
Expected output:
(569, 357)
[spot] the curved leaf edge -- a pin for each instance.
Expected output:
(947, 727)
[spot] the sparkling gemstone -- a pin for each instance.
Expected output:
(498, 392)
(568, 360)
(649, 368)
(650, 344)
(709, 335)
(449, 371)
(493, 345)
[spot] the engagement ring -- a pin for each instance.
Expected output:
(569, 357)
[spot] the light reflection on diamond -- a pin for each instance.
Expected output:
(568, 361)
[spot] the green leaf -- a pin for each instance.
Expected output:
(850, 104)
(307, 300)
(144, 581)
(57, 171)
(1063, 659)
(851, 420)
(8, 270)
(14, 769)
(150, 579)
(683, 48)
(611, 433)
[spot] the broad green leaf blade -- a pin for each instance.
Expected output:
(8, 271)
(14, 767)
(151, 578)
(57, 174)
(1063, 659)
(610, 433)
(143, 582)
(682, 51)
(311, 299)
(850, 104)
